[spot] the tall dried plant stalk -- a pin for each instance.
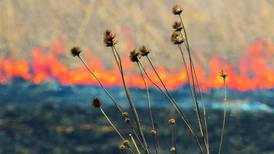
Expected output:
(132, 106)
(223, 75)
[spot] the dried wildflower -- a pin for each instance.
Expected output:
(171, 121)
(153, 132)
(125, 114)
(144, 51)
(96, 103)
(127, 120)
(134, 54)
(75, 51)
(177, 10)
(109, 38)
(172, 149)
(122, 147)
(177, 26)
(177, 37)
(125, 117)
(223, 74)
(126, 143)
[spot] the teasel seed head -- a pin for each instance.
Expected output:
(75, 51)
(122, 147)
(125, 114)
(144, 51)
(177, 10)
(171, 121)
(134, 54)
(223, 74)
(125, 117)
(153, 132)
(96, 103)
(126, 143)
(127, 120)
(172, 149)
(177, 37)
(109, 38)
(177, 26)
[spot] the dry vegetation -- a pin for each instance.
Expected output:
(31, 23)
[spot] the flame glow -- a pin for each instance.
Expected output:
(253, 71)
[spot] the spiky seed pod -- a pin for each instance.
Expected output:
(125, 114)
(127, 120)
(144, 51)
(177, 26)
(223, 74)
(109, 38)
(134, 54)
(171, 121)
(177, 10)
(153, 132)
(177, 37)
(126, 143)
(122, 147)
(172, 149)
(75, 51)
(96, 103)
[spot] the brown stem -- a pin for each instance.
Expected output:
(155, 140)
(132, 106)
(224, 119)
(175, 106)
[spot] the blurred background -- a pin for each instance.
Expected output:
(45, 92)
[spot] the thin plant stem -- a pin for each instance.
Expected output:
(155, 140)
(133, 109)
(113, 126)
(192, 68)
(134, 144)
(101, 85)
(173, 135)
(175, 106)
(111, 97)
(224, 118)
(197, 110)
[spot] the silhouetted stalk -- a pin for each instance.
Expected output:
(155, 140)
(224, 118)
(175, 106)
(135, 114)
(111, 97)
(113, 126)
(192, 69)
(197, 110)
(172, 126)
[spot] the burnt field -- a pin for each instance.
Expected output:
(46, 119)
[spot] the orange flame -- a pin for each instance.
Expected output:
(252, 72)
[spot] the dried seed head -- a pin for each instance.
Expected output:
(171, 121)
(122, 147)
(127, 120)
(109, 38)
(153, 132)
(144, 51)
(223, 74)
(126, 143)
(177, 26)
(125, 114)
(172, 149)
(125, 117)
(96, 103)
(177, 10)
(134, 54)
(75, 51)
(177, 37)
